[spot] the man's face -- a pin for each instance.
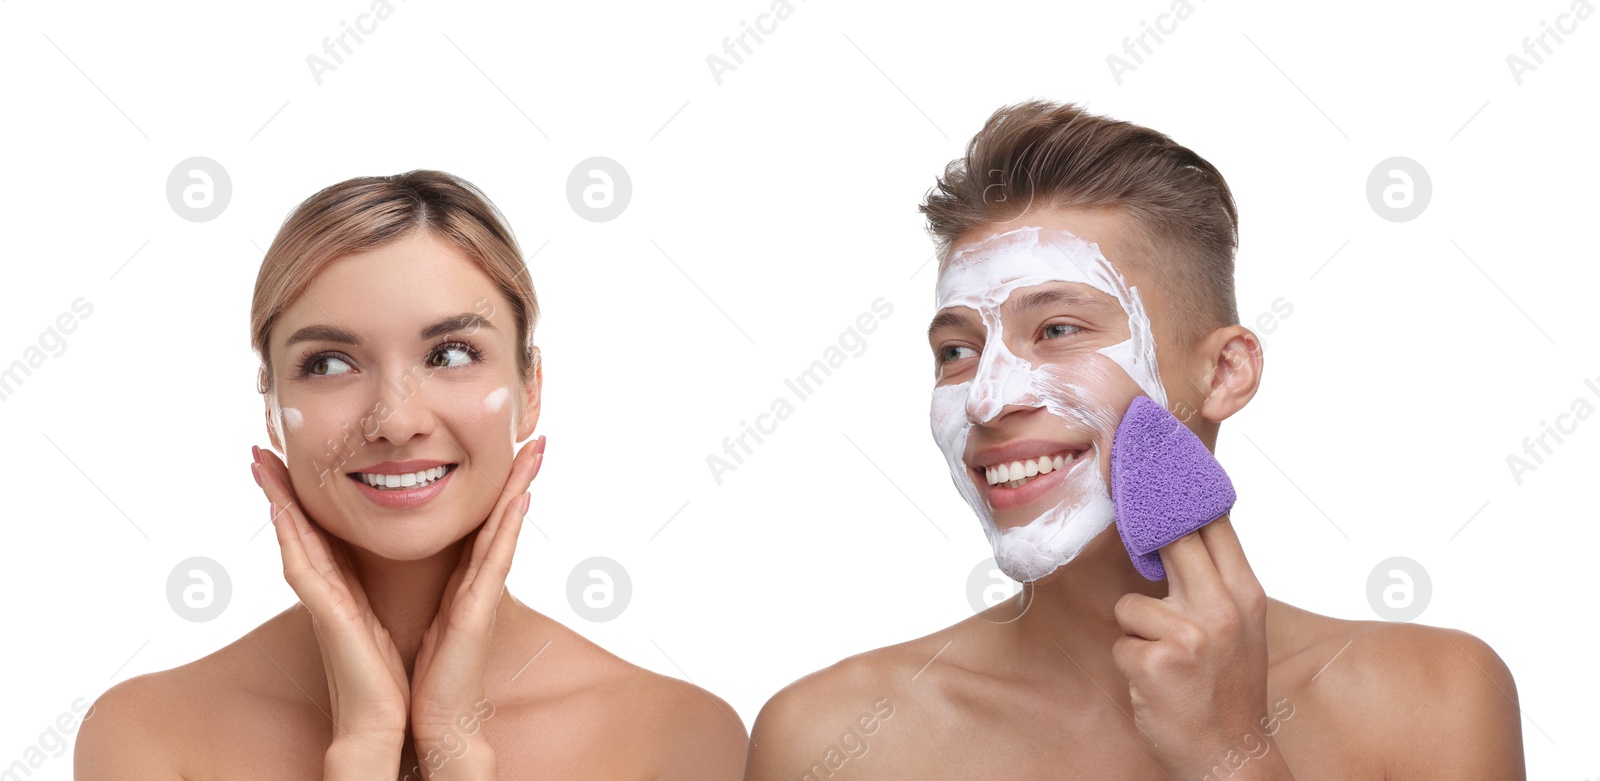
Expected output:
(1040, 343)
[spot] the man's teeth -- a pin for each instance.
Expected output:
(411, 480)
(1017, 473)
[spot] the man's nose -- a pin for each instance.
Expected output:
(1001, 381)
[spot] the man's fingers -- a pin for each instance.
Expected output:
(1145, 616)
(1222, 541)
(1191, 575)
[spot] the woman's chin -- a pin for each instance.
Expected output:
(403, 547)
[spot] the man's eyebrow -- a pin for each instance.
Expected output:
(1058, 297)
(949, 318)
(445, 325)
(1036, 299)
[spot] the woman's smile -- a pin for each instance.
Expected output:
(403, 484)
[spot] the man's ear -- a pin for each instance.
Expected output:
(532, 394)
(1231, 362)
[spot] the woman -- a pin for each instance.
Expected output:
(394, 320)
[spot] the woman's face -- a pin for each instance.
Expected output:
(399, 364)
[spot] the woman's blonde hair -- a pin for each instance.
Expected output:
(369, 212)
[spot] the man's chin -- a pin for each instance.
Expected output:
(1026, 563)
(1030, 552)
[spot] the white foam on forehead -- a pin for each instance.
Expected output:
(982, 276)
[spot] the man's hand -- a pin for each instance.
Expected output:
(1196, 661)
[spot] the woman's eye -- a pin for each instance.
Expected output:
(1050, 331)
(322, 365)
(952, 352)
(452, 355)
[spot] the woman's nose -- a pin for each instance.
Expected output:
(403, 410)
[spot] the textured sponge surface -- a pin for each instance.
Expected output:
(1164, 483)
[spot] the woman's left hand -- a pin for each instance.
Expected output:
(448, 695)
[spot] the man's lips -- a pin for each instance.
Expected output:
(1021, 451)
(1043, 464)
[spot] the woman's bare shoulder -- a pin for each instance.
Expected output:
(675, 721)
(153, 725)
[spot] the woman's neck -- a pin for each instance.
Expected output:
(405, 595)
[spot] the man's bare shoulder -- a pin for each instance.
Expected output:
(829, 716)
(1438, 701)
(840, 685)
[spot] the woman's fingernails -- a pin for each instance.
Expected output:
(255, 453)
(256, 474)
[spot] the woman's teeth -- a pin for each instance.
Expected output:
(1018, 473)
(409, 481)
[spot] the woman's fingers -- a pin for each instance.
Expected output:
(497, 565)
(523, 469)
(367, 685)
(318, 549)
(316, 567)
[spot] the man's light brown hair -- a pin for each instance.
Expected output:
(1048, 155)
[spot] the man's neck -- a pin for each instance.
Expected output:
(1068, 617)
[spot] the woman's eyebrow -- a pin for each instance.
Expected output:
(446, 325)
(463, 322)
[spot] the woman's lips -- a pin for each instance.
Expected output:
(1001, 499)
(404, 498)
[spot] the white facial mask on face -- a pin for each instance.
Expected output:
(981, 277)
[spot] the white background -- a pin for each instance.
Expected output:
(767, 213)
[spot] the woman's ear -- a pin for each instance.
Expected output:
(272, 429)
(530, 397)
(268, 400)
(1232, 363)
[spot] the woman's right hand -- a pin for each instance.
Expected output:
(367, 685)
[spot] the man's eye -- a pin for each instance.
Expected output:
(322, 365)
(452, 354)
(1050, 331)
(952, 353)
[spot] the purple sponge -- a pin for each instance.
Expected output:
(1164, 483)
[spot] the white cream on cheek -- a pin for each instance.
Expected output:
(981, 277)
(496, 399)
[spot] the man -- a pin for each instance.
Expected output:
(1075, 251)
